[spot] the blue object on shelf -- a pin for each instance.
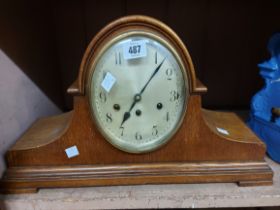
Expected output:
(262, 121)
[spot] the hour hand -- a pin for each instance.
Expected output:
(126, 115)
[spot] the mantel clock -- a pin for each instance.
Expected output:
(137, 119)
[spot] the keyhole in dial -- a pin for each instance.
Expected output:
(138, 112)
(116, 107)
(159, 106)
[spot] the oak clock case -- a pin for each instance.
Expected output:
(194, 146)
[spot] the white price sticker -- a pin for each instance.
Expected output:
(223, 131)
(108, 82)
(134, 49)
(72, 152)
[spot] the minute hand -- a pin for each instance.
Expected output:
(154, 73)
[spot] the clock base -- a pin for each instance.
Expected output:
(197, 154)
(30, 179)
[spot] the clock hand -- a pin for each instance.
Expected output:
(137, 97)
(154, 73)
(126, 115)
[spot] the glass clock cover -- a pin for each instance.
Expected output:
(138, 91)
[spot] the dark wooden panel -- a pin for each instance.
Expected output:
(156, 8)
(226, 40)
(100, 13)
(236, 37)
(27, 37)
(71, 41)
(187, 19)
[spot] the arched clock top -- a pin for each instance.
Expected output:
(128, 24)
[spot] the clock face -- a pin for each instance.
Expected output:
(138, 92)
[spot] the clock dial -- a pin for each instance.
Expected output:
(138, 92)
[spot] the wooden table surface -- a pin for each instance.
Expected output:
(149, 196)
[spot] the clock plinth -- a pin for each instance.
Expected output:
(207, 147)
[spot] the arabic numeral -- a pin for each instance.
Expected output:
(156, 57)
(122, 130)
(174, 95)
(109, 118)
(169, 73)
(138, 136)
(102, 97)
(155, 131)
(118, 59)
(167, 116)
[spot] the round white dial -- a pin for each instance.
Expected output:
(138, 92)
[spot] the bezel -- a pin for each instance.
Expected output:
(115, 140)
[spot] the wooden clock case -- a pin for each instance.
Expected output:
(197, 153)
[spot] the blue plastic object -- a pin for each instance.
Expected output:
(262, 121)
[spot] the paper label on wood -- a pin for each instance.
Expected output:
(223, 131)
(72, 151)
